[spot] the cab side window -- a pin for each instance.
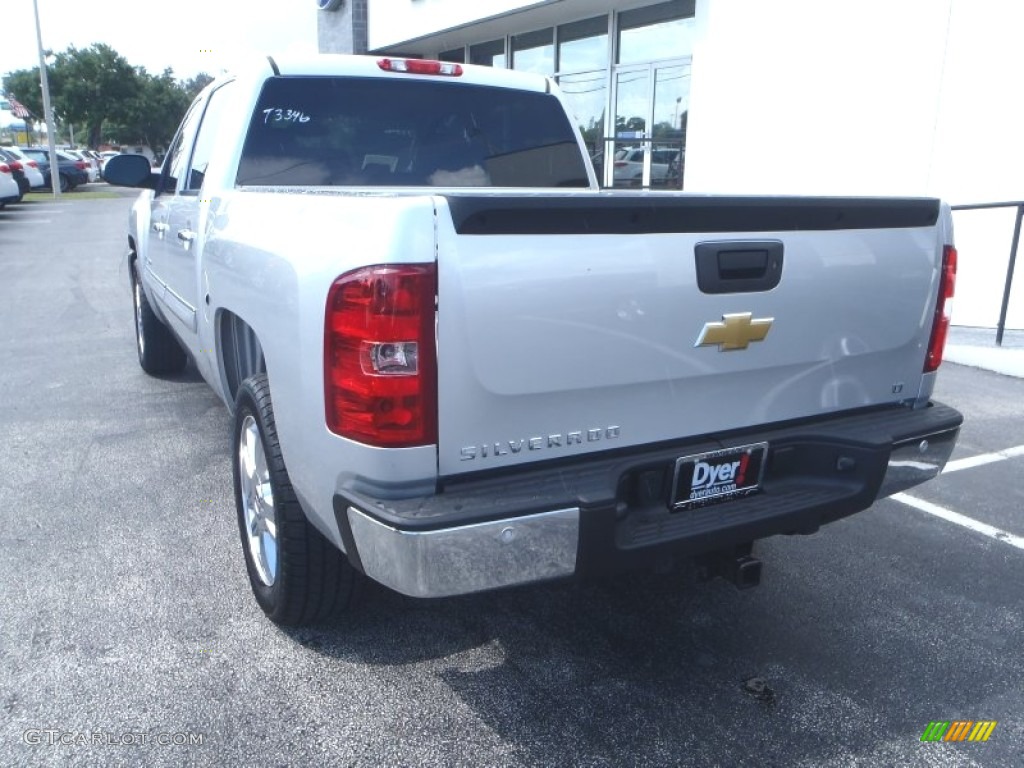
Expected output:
(208, 130)
(177, 155)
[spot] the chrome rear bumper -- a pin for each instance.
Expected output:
(916, 460)
(467, 558)
(609, 513)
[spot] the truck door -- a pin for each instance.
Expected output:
(163, 243)
(185, 210)
(175, 242)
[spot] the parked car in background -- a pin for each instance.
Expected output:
(31, 167)
(104, 156)
(97, 164)
(17, 171)
(92, 166)
(71, 172)
(629, 166)
(9, 192)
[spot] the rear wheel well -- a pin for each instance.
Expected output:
(241, 355)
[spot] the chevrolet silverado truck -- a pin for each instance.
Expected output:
(455, 364)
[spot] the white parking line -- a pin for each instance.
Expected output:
(962, 520)
(958, 519)
(985, 458)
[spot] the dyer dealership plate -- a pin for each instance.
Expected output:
(706, 478)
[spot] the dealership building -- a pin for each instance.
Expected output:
(749, 97)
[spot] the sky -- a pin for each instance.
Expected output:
(190, 36)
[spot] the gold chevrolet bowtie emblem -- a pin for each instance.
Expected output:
(734, 332)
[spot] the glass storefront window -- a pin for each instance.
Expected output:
(656, 32)
(631, 108)
(534, 52)
(671, 101)
(490, 54)
(583, 45)
(671, 109)
(587, 94)
(633, 103)
(626, 79)
(458, 55)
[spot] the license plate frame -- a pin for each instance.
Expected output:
(724, 474)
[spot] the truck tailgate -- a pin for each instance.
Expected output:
(578, 323)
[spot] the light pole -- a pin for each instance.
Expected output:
(48, 112)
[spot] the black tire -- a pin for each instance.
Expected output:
(65, 183)
(159, 352)
(297, 576)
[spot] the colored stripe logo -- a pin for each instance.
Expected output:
(959, 730)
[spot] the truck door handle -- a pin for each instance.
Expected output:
(186, 235)
(738, 266)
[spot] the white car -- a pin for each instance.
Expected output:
(94, 157)
(104, 156)
(9, 192)
(93, 168)
(629, 166)
(29, 166)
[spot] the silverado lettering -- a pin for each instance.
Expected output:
(470, 452)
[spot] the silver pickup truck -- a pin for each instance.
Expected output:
(456, 364)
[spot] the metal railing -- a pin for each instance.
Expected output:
(1019, 205)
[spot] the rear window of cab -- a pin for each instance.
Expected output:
(347, 131)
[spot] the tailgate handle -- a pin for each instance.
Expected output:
(738, 266)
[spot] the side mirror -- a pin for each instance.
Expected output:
(130, 171)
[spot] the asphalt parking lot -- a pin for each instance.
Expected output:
(129, 635)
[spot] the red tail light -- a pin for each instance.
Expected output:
(380, 362)
(420, 67)
(81, 165)
(15, 165)
(5, 168)
(943, 310)
(32, 164)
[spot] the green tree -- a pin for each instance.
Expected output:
(194, 85)
(96, 90)
(153, 114)
(91, 85)
(87, 86)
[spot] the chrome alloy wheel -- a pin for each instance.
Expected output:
(257, 501)
(137, 301)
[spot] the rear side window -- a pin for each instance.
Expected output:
(334, 131)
